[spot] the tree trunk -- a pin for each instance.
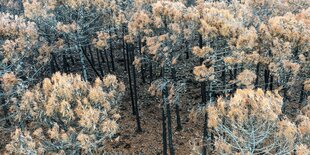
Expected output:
(164, 131)
(203, 84)
(170, 141)
(205, 134)
(111, 51)
(301, 99)
(90, 62)
(224, 79)
(186, 50)
(151, 72)
(55, 61)
(266, 76)
(84, 69)
(271, 82)
(53, 69)
(257, 75)
(106, 57)
(124, 48)
(129, 80)
(142, 65)
(99, 63)
(139, 129)
(65, 65)
(177, 110)
(91, 56)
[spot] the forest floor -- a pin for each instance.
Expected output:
(149, 141)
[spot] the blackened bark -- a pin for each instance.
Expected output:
(205, 134)
(72, 60)
(177, 110)
(142, 66)
(224, 78)
(99, 63)
(55, 61)
(186, 50)
(151, 72)
(65, 65)
(112, 57)
(101, 56)
(257, 74)
(53, 68)
(91, 55)
(271, 82)
(285, 100)
(168, 110)
(203, 84)
(204, 101)
(266, 76)
(203, 92)
(211, 99)
(170, 141)
(107, 60)
(301, 99)
(129, 80)
(111, 53)
(164, 131)
(234, 73)
(139, 129)
(91, 64)
(5, 108)
(124, 49)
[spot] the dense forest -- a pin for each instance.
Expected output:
(164, 77)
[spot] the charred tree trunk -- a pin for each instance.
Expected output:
(211, 99)
(124, 48)
(129, 80)
(257, 74)
(107, 60)
(271, 82)
(235, 77)
(91, 56)
(168, 110)
(90, 62)
(151, 72)
(203, 84)
(72, 59)
(186, 50)
(266, 76)
(142, 65)
(301, 99)
(84, 69)
(65, 65)
(224, 78)
(164, 131)
(285, 97)
(139, 129)
(170, 141)
(177, 108)
(165, 111)
(5, 108)
(53, 68)
(100, 63)
(205, 134)
(55, 62)
(111, 52)
(204, 102)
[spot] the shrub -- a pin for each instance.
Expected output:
(65, 114)
(251, 121)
